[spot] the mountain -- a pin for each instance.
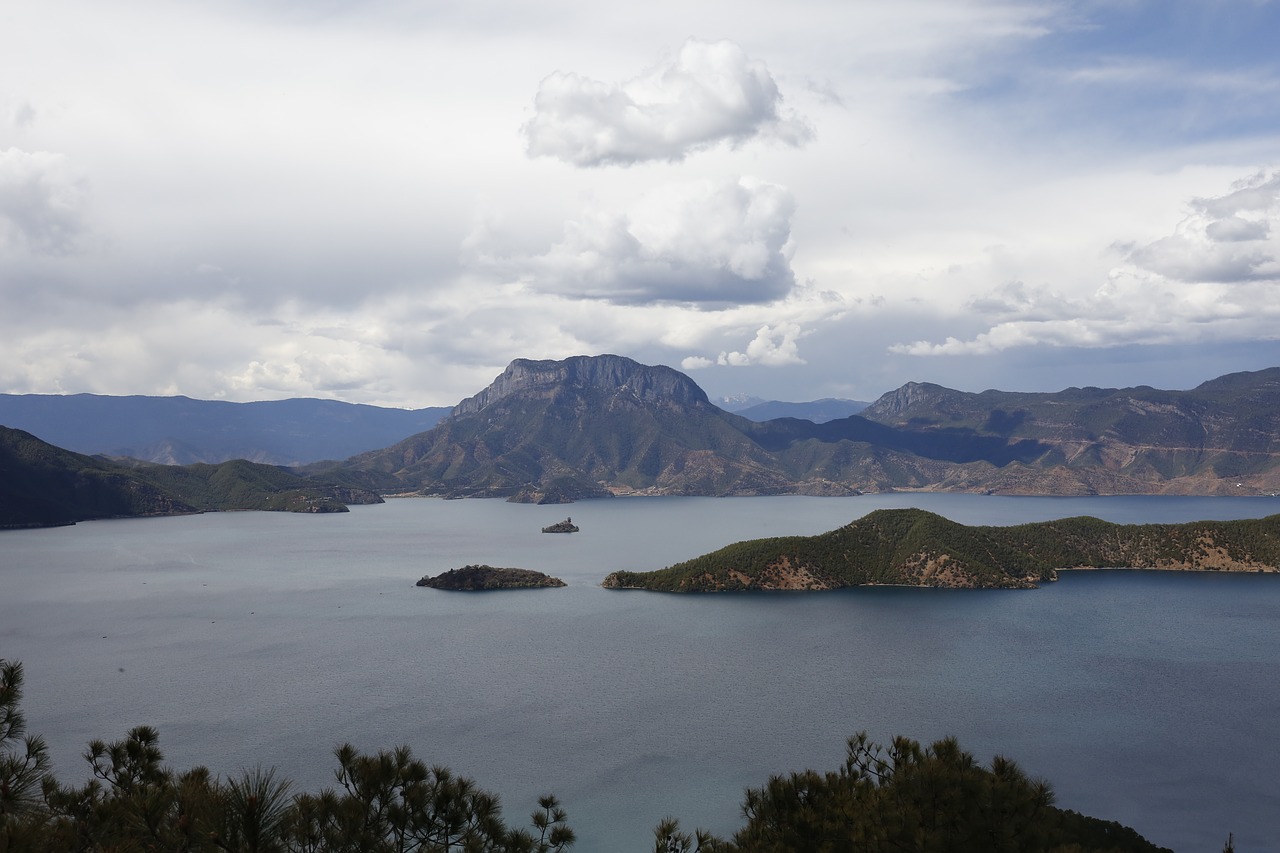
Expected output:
(590, 426)
(912, 547)
(593, 426)
(818, 411)
(180, 431)
(1221, 437)
(42, 485)
(737, 402)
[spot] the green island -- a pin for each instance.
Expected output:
(477, 578)
(913, 547)
(883, 799)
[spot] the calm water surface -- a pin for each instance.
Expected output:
(248, 638)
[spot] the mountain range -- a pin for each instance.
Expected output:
(818, 411)
(591, 426)
(597, 426)
(182, 431)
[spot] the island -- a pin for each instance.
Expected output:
(566, 526)
(913, 547)
(477, 578)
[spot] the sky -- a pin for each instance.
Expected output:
(386, 201)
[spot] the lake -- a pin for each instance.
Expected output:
(259, 638)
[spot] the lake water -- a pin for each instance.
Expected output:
(1148, 698)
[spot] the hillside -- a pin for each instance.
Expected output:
(182, 431)
(1222, 437)
(42, 485)
(912, 547)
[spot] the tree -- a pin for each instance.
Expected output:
(24, 760)
(907, 799)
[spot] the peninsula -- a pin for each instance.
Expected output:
(912, 547)
(478, 578)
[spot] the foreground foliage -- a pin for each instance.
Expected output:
(388, 801)
(905, 798)
(908, 798)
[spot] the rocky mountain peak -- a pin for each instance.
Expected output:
(910, 397)
(611, 373)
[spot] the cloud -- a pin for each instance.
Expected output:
(1216, 278)
(703, 243)
(1225, 239)
(41, 203)
(22, 114)
(773, 346)
(709, 93)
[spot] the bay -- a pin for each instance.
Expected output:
(258, 638)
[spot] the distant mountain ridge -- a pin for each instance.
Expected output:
(1220, 436)
(594, 426)
(818, 411)
(182, 431)
(597, 425)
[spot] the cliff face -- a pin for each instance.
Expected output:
(609, 373)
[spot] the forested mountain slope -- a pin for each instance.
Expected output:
(42, 485)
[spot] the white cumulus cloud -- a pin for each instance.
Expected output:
(1216, 278)
(709, 244)
(710, 92)
(773, 346)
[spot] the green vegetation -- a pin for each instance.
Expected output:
(918, 548)
(389, 801)
(906, 798)
(476, 578)
(243, 485)
(42, 485)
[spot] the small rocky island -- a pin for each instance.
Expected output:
(477, 578)
(566, 526)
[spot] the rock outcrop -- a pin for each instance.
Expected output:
(479, 577)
